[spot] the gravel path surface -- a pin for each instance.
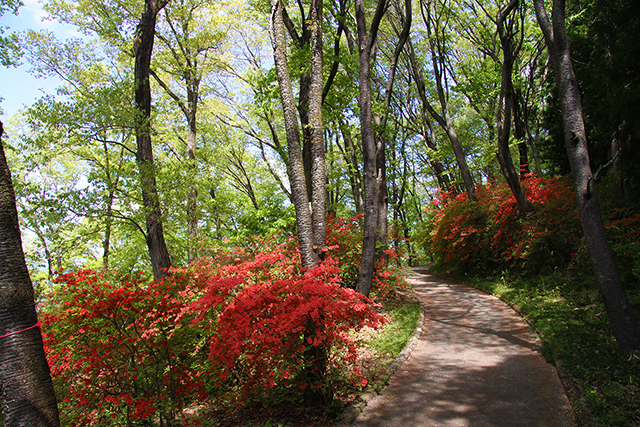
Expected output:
(476, 364)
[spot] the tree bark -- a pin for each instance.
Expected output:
(507, 106)
(366, 40)
(143, 47)
(27, 394)
(318, 168)
(295, 167)
(621, 317)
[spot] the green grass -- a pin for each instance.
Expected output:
(395, 335)
(570, 318)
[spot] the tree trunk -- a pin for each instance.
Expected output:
(106, 242)
(295, 168)
(438, 168)
(143, 47)
(366, 40)
(27, 394)
(437, 56)
(192, 197)
(507, 104)
(318, 168)
(621, 318)
(520, 132)
(382, 229)
(444, 120)
(187, 59)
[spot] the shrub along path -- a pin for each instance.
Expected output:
(477, 364)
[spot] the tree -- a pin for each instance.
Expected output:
(366, 41)
(438, 48)
(603, 37)
(143, 48)
(27, 395)
(380, 120)
(188, 54)
(87, 135)
(621, 317)
(9, 48)
(310, 214)
(507, 29)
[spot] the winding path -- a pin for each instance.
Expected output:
(477, 364)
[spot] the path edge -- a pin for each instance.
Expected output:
(353, 410)
(580, 411)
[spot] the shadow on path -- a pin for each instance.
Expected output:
(477, 364)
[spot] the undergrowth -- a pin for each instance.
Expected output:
(395, 335)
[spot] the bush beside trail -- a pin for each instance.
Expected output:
(489, 236)
(240, 326)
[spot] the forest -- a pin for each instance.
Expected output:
(222, 195)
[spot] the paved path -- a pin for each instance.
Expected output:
(477, 364)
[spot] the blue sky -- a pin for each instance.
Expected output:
(17, 86)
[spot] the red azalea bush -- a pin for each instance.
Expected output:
(491, 234)
(126, 351)
(344, 242)
(282, 328)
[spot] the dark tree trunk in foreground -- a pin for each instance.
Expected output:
(28, 398)
(143, 47)
(621, 317)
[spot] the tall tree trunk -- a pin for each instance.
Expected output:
(507, 104)
(366, 40)
(621, 317)
(192, 197)
(444, 120)
(106, 242)
(295, 168)
(429, 137)
(143, 47)
(520, 132)
(316, 137)
(27, 394)
(192, 78)
(382, 229)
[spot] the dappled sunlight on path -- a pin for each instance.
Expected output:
(477, 364)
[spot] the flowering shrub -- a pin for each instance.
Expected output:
(282, 328)
(344, 241)
(127, 352)
(490, 233)
(123, 351)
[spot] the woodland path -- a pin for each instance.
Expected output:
(476, 364)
